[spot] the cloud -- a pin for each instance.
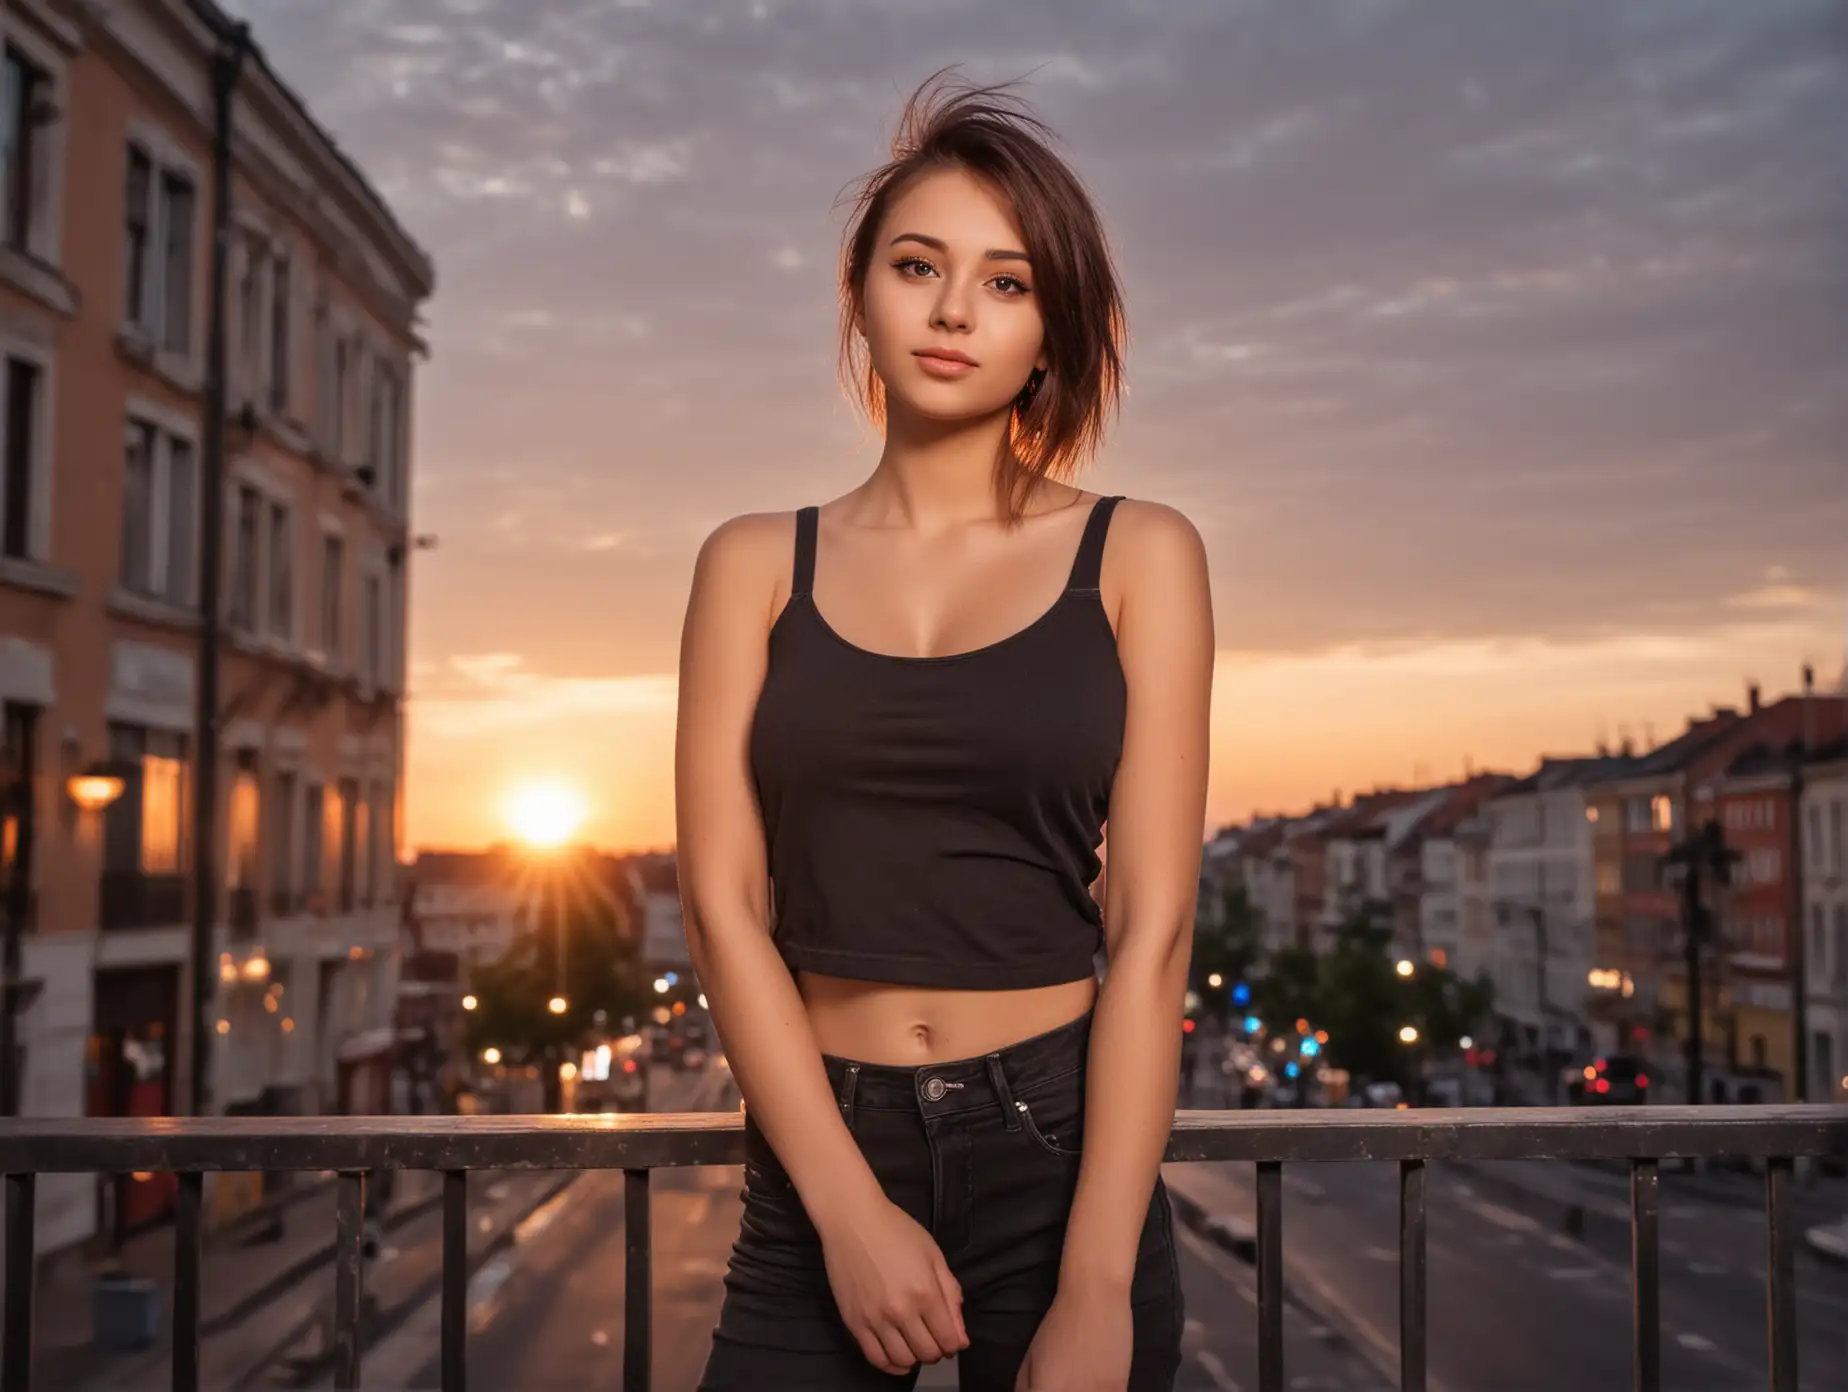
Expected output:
(1451, 323)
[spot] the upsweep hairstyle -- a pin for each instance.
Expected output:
(1059, 418)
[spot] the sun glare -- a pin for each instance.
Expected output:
(545, 814)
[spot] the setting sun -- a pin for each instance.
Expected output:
(545, 814)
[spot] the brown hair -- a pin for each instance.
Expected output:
(1059, 417)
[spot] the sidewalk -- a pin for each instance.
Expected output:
(238, 1278)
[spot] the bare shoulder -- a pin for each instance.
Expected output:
(1154, 548)
(747, 557)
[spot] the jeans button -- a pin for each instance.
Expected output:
(934, 1089)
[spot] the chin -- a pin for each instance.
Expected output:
(945, 402)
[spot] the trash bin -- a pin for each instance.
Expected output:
(125, 1313)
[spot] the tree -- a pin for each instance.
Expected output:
(1290, 990)
(602, 974)
(1227, 946)
(1363, 1001)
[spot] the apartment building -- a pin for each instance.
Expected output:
(1539, 871)
(106, 237)
(1823, 814)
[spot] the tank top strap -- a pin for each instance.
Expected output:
(807, 524)
(1088, 565)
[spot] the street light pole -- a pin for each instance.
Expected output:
(227, 66)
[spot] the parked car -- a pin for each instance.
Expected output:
(1610, 1080)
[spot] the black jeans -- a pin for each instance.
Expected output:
(984, 1153)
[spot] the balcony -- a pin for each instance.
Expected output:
(132, 899)
(639, 1144)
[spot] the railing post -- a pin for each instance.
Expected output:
(455, 1280)
(638, 1292)
(187, 1272)
(349, 1277)
(1781, 1275)
(1412, 1179)
(16, 1361)
(1645, 1277)
(1270, 1276)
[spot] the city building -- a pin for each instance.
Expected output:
(1443, 937)
(1823, 811)
(1539, 872)
(106, 238)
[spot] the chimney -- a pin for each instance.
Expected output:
(1809, 709)
(1751, 697)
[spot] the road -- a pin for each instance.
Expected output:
(549, 1313)
(1518, 1307)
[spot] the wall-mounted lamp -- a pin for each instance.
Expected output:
(95, 788)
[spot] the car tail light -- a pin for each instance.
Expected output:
(628, 1065)
(1602, 1085)
(1642, 1080)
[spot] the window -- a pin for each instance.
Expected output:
(21, 473)
(372, 630)
(333, 594)
(281, 573)
(338, 411)
(282, 843)
(250, 329)
(158, 218)
(243, 613)
(1816, 862)
(158, 508)
(24, 111)
(1661, 814)
(345, 811)
(279, 336)
(1838, 852)
(314, 855)
(1818, 944)
(1841, 945)
(142, 841)
(243, 823)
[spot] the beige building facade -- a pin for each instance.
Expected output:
(106, 236)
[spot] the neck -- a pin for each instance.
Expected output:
(935, 475)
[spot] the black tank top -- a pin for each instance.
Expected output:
(934, 821)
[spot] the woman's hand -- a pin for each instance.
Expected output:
(1084, 1344)
(893, 1288)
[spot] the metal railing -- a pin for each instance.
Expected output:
(639, 1144)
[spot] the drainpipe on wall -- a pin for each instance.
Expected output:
(227, 67)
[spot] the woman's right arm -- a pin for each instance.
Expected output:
(889, 1278)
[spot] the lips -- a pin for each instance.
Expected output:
(948, 355)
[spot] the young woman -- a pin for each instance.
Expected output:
(905, 717)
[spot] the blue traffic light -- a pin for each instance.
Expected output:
(1310, 1048)
(1241, 994)
(1289, 1070)
(1253, 1024)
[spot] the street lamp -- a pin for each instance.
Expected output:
(490, 1055)
(469, 1002)
(1215, 981)
(557, 1005)
(1408, 1034)
(1405, 967)
(660, 985)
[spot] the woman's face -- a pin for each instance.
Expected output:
(949, 276)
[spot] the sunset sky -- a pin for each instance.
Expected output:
(1499, 352)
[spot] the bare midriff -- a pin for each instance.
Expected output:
(911, 1026)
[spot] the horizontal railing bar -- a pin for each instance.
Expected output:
(655, 1140)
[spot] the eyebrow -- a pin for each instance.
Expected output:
(937, 244)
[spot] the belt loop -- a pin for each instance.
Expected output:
(1010, 1112)
(849, 1080)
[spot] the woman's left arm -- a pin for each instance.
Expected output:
(1157, 821)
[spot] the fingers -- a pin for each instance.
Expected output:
(893, 1354)
(923, 1339)
(952, 1299)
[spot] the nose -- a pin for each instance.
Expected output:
(954, 307)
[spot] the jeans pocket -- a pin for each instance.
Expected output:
(1052, 1115)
